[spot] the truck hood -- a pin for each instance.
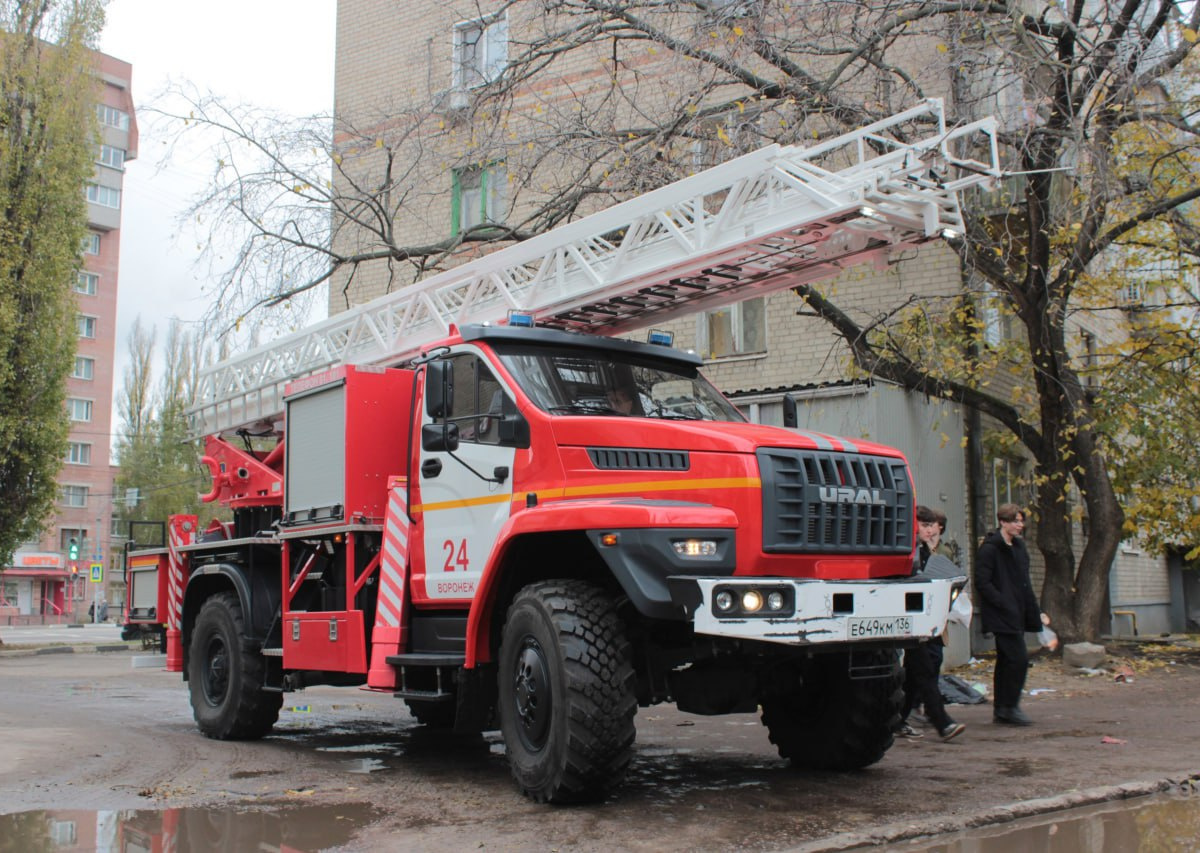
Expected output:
(716, 436)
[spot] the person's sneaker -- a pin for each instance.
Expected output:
(909, 732)
(952, 730)
(1011, 717)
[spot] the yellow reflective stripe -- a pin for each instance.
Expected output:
(596, 489)
(465, 502)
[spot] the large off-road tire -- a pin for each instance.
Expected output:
(566, 692)
(435, 715)
(225, 681)
(833, 721)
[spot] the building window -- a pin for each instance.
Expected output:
(85, 326)
(477, 198)
(1006, 482)
(993, 315)
(112, 157)
(112, 117)
(104, 196)
(79, 409)
(1090, 359)
(480, 51)
(75, 496)
(66, 534)
(63, 833)
(85, 368)
(79, 453)
(91, 243)
(87, 283)
(739, 329)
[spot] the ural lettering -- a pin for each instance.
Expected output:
(850, 495)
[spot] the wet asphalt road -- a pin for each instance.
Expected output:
(98, 733)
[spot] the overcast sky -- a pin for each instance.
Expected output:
(273, 53)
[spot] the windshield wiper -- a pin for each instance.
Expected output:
(580, 409)
(674, 416)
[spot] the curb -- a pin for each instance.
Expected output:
(1184, 783)
(9, 651)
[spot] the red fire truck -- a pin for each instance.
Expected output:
(474, 495)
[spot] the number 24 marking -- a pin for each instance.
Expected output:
(452, 561)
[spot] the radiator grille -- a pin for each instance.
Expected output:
(631, 459)
(828, 502)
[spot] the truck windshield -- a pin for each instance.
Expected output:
(572, 382)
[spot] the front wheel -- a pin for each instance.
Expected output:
(226, 681)
(833, 721)
(566, 692)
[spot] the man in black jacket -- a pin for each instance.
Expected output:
(1008, 609)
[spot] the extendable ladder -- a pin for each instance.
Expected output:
(766, 221)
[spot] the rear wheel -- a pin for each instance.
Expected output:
(833, 721)
(566, 692)
(226, 681)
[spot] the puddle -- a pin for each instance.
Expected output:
(1161, 822)
(190, 830)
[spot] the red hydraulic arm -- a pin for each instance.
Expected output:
(242, 477)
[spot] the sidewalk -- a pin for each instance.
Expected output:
(51, 639)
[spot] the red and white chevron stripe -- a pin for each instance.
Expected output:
(181, 530)
(387, 637)
(394, 562)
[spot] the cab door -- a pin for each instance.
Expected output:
(465, 494)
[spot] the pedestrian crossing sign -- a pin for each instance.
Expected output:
(97, 572)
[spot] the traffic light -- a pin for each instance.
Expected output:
(73, 549)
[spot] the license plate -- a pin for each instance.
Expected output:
(871, 627)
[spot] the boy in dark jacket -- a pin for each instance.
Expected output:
(1008, 608)
(922, 664)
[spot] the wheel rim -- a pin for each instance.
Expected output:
(216, 671)
(531, 694)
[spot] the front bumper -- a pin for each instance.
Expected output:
(821, 611)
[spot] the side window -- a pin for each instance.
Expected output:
(479, 401)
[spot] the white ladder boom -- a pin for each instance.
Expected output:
(766, 221)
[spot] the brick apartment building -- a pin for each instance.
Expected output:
(41, 585)
(417, 71)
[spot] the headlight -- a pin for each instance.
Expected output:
(738, 601)
(695, 547)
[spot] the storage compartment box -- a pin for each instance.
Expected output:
(346, 432)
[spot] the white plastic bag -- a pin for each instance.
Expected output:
(1048, 638)
(960, 610)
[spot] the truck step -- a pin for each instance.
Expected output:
(426, 659)
(272, 653)
(425, 695)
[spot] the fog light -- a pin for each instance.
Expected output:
(775, 601)
(695, 547)
(752, 601)
(724, 600)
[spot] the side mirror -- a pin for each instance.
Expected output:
(513, 431)
(439, 437)
(439, 389)
(790, 418)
